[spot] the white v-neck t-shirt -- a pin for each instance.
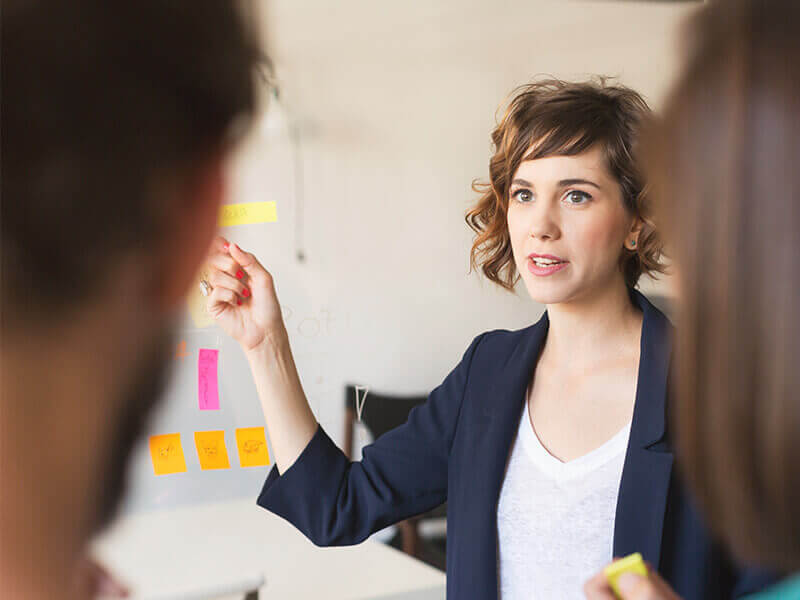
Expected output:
(555, 520)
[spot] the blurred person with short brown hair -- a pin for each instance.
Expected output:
(117, 119)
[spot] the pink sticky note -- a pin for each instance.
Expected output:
(207, 389)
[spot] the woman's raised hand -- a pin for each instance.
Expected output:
(243, 300)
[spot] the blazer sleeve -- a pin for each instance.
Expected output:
(336, 502)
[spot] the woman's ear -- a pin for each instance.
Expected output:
(632, 239)
(191, 221)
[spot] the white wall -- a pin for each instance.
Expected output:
(395, 102)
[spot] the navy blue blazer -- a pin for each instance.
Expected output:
(455, 448)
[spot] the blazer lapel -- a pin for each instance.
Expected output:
(503, 414)
(646, 474)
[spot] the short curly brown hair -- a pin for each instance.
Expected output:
(564, 118)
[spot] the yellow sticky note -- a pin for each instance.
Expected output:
(247, 213)
(167, 454)
(252, 446)
(211, 449)
(632, 563)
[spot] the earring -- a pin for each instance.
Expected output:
(633, 244)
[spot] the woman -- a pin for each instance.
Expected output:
(734, 225)
(548, 443)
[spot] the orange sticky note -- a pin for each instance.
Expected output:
(252, 446)
(167, 454)
(180, 351)
(211, 449)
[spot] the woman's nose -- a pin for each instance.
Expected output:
(544, 224)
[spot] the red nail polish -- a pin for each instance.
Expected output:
(225, 246)
(239, 302)
(245, 292)
(239, 274)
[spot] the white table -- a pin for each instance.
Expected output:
(174, 553)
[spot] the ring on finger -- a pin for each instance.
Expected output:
(205, 287)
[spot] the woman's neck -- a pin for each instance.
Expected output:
(604, 322)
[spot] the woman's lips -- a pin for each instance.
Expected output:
(545, 271)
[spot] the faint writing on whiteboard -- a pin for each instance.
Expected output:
(207, 383)
(317, 324)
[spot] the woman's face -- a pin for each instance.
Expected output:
(568, 226)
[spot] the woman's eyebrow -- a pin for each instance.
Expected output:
(562, 183)
(568, 182)
(522, 182)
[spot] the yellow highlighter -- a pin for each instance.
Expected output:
(632, 563)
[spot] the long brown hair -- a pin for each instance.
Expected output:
(725, 169)
(552, 117)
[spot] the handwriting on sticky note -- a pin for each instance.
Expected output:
(166, 453)
(247, 213)
(211, 449)
(207, 385)
(252, 446)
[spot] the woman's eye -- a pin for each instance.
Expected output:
(578, 197)
(523, 196)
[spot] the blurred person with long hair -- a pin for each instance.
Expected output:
(724, 165)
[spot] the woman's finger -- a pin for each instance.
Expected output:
(225, 263)
(220, 297)
(662, 586)
(220, 279)
(597, 588)
(219, 245)
(638, 587)
(250, 264)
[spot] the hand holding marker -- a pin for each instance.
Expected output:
(241, 298)
(628, 578)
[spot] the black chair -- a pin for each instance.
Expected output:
(381, 413)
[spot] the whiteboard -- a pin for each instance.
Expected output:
(384, 297)
(316, 326)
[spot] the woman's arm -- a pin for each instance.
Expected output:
(245, 305)
(290, 422)
(403, 473)
(332, 500)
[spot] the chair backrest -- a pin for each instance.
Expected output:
(380, 413)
